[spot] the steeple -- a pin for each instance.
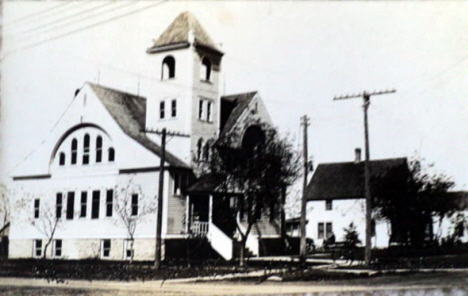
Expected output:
(184, 31)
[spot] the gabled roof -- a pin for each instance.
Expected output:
(232, 107)
(129, 111)
(178, 34)
(345, 180)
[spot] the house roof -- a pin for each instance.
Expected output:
(206, 183)
(178, 34)
(129, 111)
(345, 180)
(232, 107)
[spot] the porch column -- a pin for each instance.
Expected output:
(210, 209)
(187, 214)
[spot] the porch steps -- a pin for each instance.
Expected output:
(237, 250)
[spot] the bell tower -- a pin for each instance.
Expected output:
(186, 99)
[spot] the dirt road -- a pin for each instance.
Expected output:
(433, 283)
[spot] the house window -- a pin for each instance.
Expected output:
(95, 205)
(99, 149)
(200, 109)
(37, 203)
(37, 248)
(62, 158)
(162, 109)
(57, 248)
(106, 248)
(74, 151)
(199, 149)
(168, 68)
(58, 205)
(86, 149)
(111, 153)
(84, 203)
(173, 108)
(321, 230)
(134, 204)
(329, 229)
(205, 69)
(328, 205)
(70, 205)
(209, 107)
(128, 249)
(109, 200)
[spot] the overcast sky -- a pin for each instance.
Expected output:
(297, 55)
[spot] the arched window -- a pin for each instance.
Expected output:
(62, 158)
(168, 68)
(111, 152)
(98, 149)
(205, 69)
(74, 151)
(86, 149)
(199, 149)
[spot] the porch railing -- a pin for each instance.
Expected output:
(198, 227)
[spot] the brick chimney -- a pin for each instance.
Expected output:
(357, 153)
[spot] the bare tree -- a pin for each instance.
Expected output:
(258, 166)
(4, 209)
(132, 207)
(47, 223)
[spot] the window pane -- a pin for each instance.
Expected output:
(74, 151)
(162, 107)
(99, 149)
(109, 200)
(111, 154)
(86, 149)
(84, 201)
(200, 109)
(58, 208)
(320, 230)
(70, 205)
(95, 205)
(36, 208)
(173, 108)
(134, 204)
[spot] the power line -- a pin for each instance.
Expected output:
(83, 28)
(67, 17)
(35, 14)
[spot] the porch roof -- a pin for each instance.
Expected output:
(210, 183)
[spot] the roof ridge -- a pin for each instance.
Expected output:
(363, 161)
(114, 90)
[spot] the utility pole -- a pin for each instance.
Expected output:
(303, 247)
(159, 213)
(367, 190)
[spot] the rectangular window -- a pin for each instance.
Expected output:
(134, 204)
(329, 229)
(70, 205)
(109, 200)
(106, 247)
(37, 248)
(328, 205)
(37, 203)
(162, 109)
(321, 231)
(58, 248)
(128, 249)
(58, 205)
(174, 108)
(200, 110)
(95, 205)
(209, 107)
(84, 203)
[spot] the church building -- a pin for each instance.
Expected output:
(91, 191)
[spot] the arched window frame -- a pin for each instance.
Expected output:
(62, 159)
(111, 154)
(205, 69)
(168, 68)
(74, 151)
(98, 149)
(86, 143)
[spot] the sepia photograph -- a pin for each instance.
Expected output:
(233, 148)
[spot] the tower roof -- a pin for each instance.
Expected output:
(178, 34)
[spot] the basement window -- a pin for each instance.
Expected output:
(106, 248)
(57, 248)
(37, 252)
